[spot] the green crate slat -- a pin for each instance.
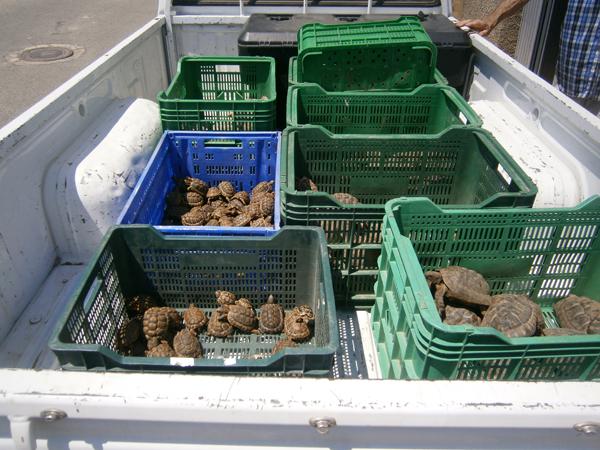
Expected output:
(397, 54)
(458, 168)
(220, 94)
(429, 109)
(291, 264)
(545, 254)
(295, 77)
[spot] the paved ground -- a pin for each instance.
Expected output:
(95, 25)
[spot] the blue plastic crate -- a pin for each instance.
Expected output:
(244, 159)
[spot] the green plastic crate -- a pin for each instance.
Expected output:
(291, 264)
(460, 168)
(546, 254)
(429, 109)
(295, 76)
(397, 54)
(220, 94)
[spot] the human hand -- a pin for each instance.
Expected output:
(482, 26)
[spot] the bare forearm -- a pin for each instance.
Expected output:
(505, 9)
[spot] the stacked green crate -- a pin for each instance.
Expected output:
(369, 115)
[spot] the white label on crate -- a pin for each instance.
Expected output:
(183, 362)
(230, 361)
(463, 118)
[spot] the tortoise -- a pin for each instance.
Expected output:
(560, 332)
(186, 344)
(175, 322)
(138, 304)
(226, 222)
(283, 344)
(304, 311)
(212, 223)
(271, 318)
(263, 206)
(214, 194)
(576, 312)
(348, 199)
(459, 284)
(265, 222)
(129, 332)
(227, 189)
(195, 217)
(194, 318)
(306, 184)
(155, 324)
(225, 297)
(296, 327)
(514, 315)
(162, 350)
(193, 198)
(263, 186)
(221, 211)
(241, 220)
(196, 185)
(461, 316)
(242, 316)
(239, 200)
(218, 326)
(594, 327)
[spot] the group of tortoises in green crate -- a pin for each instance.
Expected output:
(193, 202)
(161, 331)
(462, 297)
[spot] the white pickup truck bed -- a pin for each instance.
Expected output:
(44, 244)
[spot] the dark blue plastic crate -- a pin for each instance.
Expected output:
(245, 159)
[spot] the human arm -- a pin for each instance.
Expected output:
(484, 26)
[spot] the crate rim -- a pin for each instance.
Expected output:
(526, 185)
(433, 319)
(330, 348)
(172, 134)
(162, 96)
(473, 119)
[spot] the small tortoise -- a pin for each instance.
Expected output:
(262, 222)
(195, 217)
(239, 200)
(194, 199)
(459, 284)
(138, 304)
(196, 185)
(227, 189)
(461, 316)
(225, 297)
(576, 312)
(212, 223)
(561, 332)
(226, 222)
(242, 316)
(194, 318)
(263, 186)
(218, 326)
(162, 350)
(155, 324)
(297, 327)
(214, 194)
(514, 315)
(175, 322)
(271, 318)
(283, 344)
(304, 311)
(186, 344)
(348, 199)
(306, 184)
(241, 220)
(128, 333)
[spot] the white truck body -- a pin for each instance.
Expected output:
(99, 129)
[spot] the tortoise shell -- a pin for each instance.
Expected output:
(348, 199)
(227, 189)
(226, 222)
(162, 350)
(218, 326)
(461, 316)
(306, 184)
(241, 220)
(296, 327)
(241, 315)
(155, 323)
(175, 322)
(194, 318)
(213, 194)
(262, 222)
(459, 284)
(560, 332)
(186, 344)
(272, 316)
(225, 297)
(263, 186)
(514, 315)
(304, 311)
(240, 199)
(194, 199)
(196, 185)
(576, 312)
(195, 217)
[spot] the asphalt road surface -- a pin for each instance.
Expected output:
(87, 27)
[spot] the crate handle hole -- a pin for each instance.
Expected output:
(223, 143)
